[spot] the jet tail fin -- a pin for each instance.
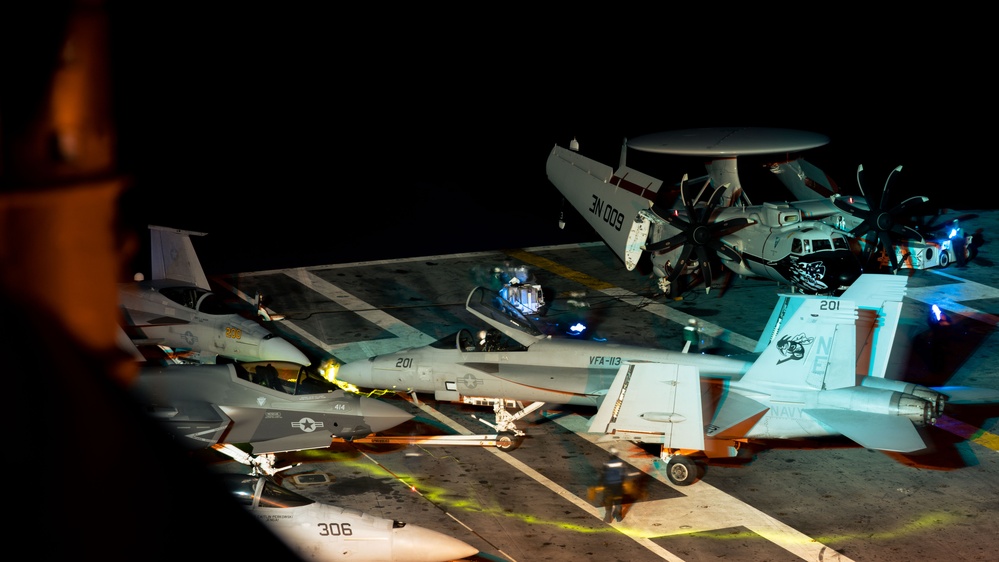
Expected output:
(879, 300)
(173, 256)
(653, 403)
(816, 348)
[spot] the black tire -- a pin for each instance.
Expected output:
(944, 259)
(507, 441)
(683, 471)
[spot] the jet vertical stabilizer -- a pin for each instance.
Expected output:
(879, 298)
(812, 350)
(174, 258)
(879, 302)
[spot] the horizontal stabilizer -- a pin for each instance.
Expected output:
(968, 394)
(734, 409)
(873, 431)
(653, 403)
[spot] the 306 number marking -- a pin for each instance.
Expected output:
(334, 529)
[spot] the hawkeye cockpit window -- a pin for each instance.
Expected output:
(809, 245)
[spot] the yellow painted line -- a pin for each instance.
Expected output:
(559, 269)
(969, 432)
(628, 297)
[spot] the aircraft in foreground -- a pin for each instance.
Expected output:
(819, 370)
(177, 311)
(512, 360)
(273, 406)
(814, 244)
(319, 531)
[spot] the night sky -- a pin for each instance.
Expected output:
(300, 137)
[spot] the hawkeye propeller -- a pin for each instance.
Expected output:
(698, 235)
(878, 223)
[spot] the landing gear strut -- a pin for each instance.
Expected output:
(509, 437)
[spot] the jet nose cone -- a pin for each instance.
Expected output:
(280, 349)
(380, 415)
(357, 373)
(419, 544)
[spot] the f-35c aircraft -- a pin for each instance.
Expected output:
(177, 310)
(319, 531)
(819, 370)
(273, 406)
(814, 244)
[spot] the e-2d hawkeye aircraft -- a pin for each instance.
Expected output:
(273, 406)
(812, 244)
(176, 309)
(320, 531)
(819, 370)
(513, 361)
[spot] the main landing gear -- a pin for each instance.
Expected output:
(681, 467)
(508, 436)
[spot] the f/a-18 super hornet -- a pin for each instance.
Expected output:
(177, 311)
(817, 244)
(320, 531)
(818, 370)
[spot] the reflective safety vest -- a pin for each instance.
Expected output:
(613, 472)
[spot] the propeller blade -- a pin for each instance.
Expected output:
(860, 177)
(667, 244)
(889, 248)
(728, 226)
(870, 245)
(884, 190)
(910, 202)
(680, 263)
(702, 254)
(846, 207)
(726, 251)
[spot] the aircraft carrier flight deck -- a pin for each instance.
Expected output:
(823, 499)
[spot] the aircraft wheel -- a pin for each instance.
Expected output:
(507, 441)
(682, 471)
(944, 259)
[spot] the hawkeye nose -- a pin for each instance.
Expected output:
(275, 348)
(842, 270)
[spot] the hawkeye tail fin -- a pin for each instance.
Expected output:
(609, 200)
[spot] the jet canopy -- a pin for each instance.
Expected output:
(284, 376)
(254, 491)
(502, 315)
